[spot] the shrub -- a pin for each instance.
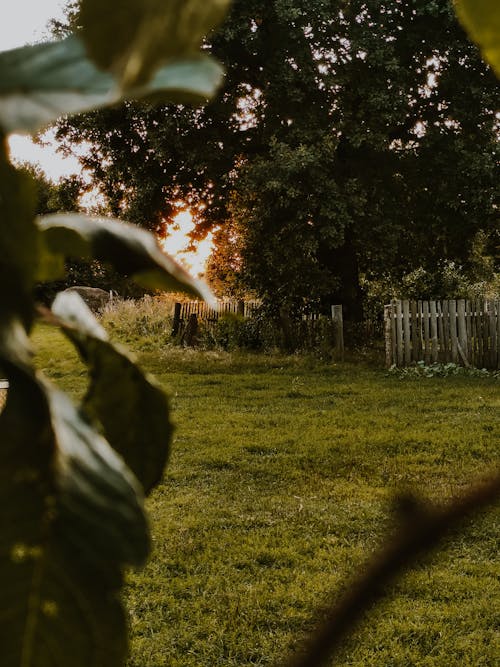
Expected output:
(146, 322)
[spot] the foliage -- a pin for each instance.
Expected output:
(53, 197)
(64, 196)
(420, 369)
(263, 333)
(482, 20)
(232, 332)
(74, 476)
(478, 278)
(321, 154)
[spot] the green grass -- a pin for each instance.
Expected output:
(278, 488)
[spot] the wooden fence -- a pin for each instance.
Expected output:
(4, 386)
(183, 312)
(463, 332)
(295, 333)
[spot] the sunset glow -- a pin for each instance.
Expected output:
(177, 242)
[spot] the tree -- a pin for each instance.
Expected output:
(331, 125)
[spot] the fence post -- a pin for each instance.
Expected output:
(338, 325)
(387, 335)
(453, 331)
(399, 333)
(462, 333)
(406, 332)
(189, 337)
(434, 331)
(177, 319)
(240, 308)
(4, 386)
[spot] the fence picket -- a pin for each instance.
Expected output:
(399, 333)
(462, 332)
(453, 331)
(486, 334)
(427, 341)
(393, 333)
(434, 338)
(406, 332)
(413, 337)
(440, 331)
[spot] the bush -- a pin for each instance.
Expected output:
(232, 332)
(146, 322)
(420, 369)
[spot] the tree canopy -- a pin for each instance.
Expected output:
(349, 138)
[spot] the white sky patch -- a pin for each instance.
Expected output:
(25, 21)
(54, 164)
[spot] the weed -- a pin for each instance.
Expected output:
(421, 369)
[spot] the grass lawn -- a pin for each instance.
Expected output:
(279, 486)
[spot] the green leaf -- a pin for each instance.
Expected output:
(129, 249)
(19, 243)
(100, 501)
(481, 19)
(70, 516)
(132, 38)
(40, 83)
(133, 410)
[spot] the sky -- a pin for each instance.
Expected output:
(25, 21)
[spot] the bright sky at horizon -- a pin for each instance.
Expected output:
(26, 21)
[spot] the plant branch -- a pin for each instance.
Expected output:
(422, 528)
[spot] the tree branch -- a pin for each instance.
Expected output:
(423, 527)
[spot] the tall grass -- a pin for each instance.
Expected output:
(147, 324)
(144, 323)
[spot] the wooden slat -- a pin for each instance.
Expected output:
(427, 341)
(420, 331)
(493, 334)
(440, 330)
(479, 333)
(462, 333)
(394, 333)
(453, 331)
(446, 329)
(406, 332)
(486, 331)
(399, 333)
(433, 328)
(415, 332)
(473, 328)
(388, 335)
